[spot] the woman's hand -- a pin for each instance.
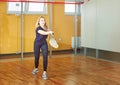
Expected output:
(51, 32)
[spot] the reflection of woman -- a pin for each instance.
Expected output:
(40, 43)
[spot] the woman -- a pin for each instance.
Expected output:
(40, 42)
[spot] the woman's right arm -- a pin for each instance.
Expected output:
(45, 32)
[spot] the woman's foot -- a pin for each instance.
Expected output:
(45, 75)
(35, 71)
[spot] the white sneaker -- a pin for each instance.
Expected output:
(45, 76)
(35, 71)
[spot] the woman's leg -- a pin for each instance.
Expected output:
(36, 53)
(44, 48)
(45, 59)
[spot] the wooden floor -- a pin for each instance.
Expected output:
(62, 70)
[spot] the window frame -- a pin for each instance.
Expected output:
(76, 7)
(26, 11)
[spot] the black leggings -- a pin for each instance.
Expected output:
(44, 48)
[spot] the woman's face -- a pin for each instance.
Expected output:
(42, 21)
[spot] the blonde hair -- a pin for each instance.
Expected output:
(38, 24)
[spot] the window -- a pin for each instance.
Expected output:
(28, 8)
(71, 9)
(38, 8)
(15, 7)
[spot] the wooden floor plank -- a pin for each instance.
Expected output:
(62, 70)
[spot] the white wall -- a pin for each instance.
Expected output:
(100, 25)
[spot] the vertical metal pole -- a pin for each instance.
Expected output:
(75, 30)
(50, 18)
(85, 51)
(79, 14)
(97, 53)
(22, 31)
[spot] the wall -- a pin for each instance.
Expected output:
(100, 25)
(9, 35)
(10, 30)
